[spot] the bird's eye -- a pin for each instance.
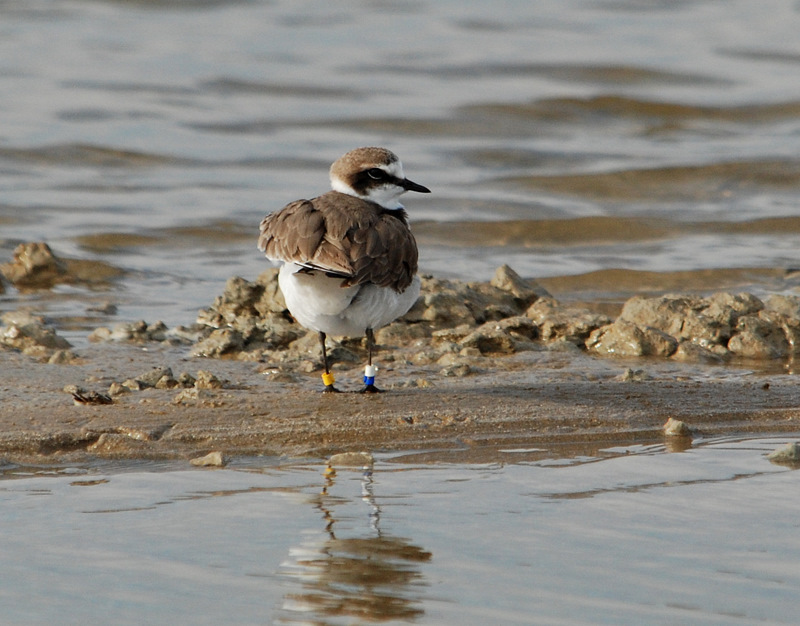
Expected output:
(376, 173)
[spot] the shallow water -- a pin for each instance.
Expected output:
(620, 536)
(153, 136)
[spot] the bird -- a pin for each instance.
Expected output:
(349, 259)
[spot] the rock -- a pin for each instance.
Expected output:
(458, 370)
(759, 338)
(117, 389)
(119, 445)
(788, 306)
(62, 357)
(132, 384)
(527, 292)
(212, 459)
(153, 376)
(167, 382)
(788, 454)
(186, 380)
(489, 340)
(624, 338)
(351, 459)
(207, 380)
(695, 353)
(680, 317)
(34, 266)
(564, 323)
(32, 337)
(190, 396)
(445, 309)
(632, 376)
(220, 342)
(100, 334)
(401, 333)
(676, 428)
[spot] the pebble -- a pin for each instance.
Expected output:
(152, 377)
(676, 428)
(787, 454)
(351, 459)
(207, 380)
(212, 459)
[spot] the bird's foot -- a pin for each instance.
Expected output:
(327, 378)
(370, 388)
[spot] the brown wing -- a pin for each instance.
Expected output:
(295, 234)
(345, 235)
(385, 253)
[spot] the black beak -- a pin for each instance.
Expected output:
(409, 185)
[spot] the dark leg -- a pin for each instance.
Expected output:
(327, 377)
(369, 372)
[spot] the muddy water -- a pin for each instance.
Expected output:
(617, 137)
(620, 536)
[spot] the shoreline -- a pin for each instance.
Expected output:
(471, 368)
(531, 401)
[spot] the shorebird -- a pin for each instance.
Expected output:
(349, 258)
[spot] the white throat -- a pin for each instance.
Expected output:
(388, 196)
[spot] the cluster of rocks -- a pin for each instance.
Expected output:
(451, 323)
(450, 319)
(142, 332)
(712, 329)
(34, 266)
(453, 319)
(31, 335)
(155, 378)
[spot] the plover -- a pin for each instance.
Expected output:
(349, 258)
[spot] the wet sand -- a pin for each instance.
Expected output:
(532, 399)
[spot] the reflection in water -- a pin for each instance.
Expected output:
(372, 576)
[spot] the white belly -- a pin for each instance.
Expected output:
(320, 303)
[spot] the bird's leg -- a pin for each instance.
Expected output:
(327, 377)
(370, 369)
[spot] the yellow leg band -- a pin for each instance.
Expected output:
(328, 379)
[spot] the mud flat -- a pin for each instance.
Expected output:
(472, 368)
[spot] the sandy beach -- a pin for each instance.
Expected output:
(533, 399)
(472, 367)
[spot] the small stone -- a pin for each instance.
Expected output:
(116, 444)
(212, 459)
(105, 308)
(167, 382)
(676, 428)
(280, 376)
(693, 353)
(132, 384)
(100, 334)
(632, 376)
(207, 380)
(186, 380)
(219, 342)
(507, 279)
(190, 396)
(34, 266)
(62, 357)
(151, 378)
(116, 389)
(787, 455)
(458, 370)
(351, 459)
